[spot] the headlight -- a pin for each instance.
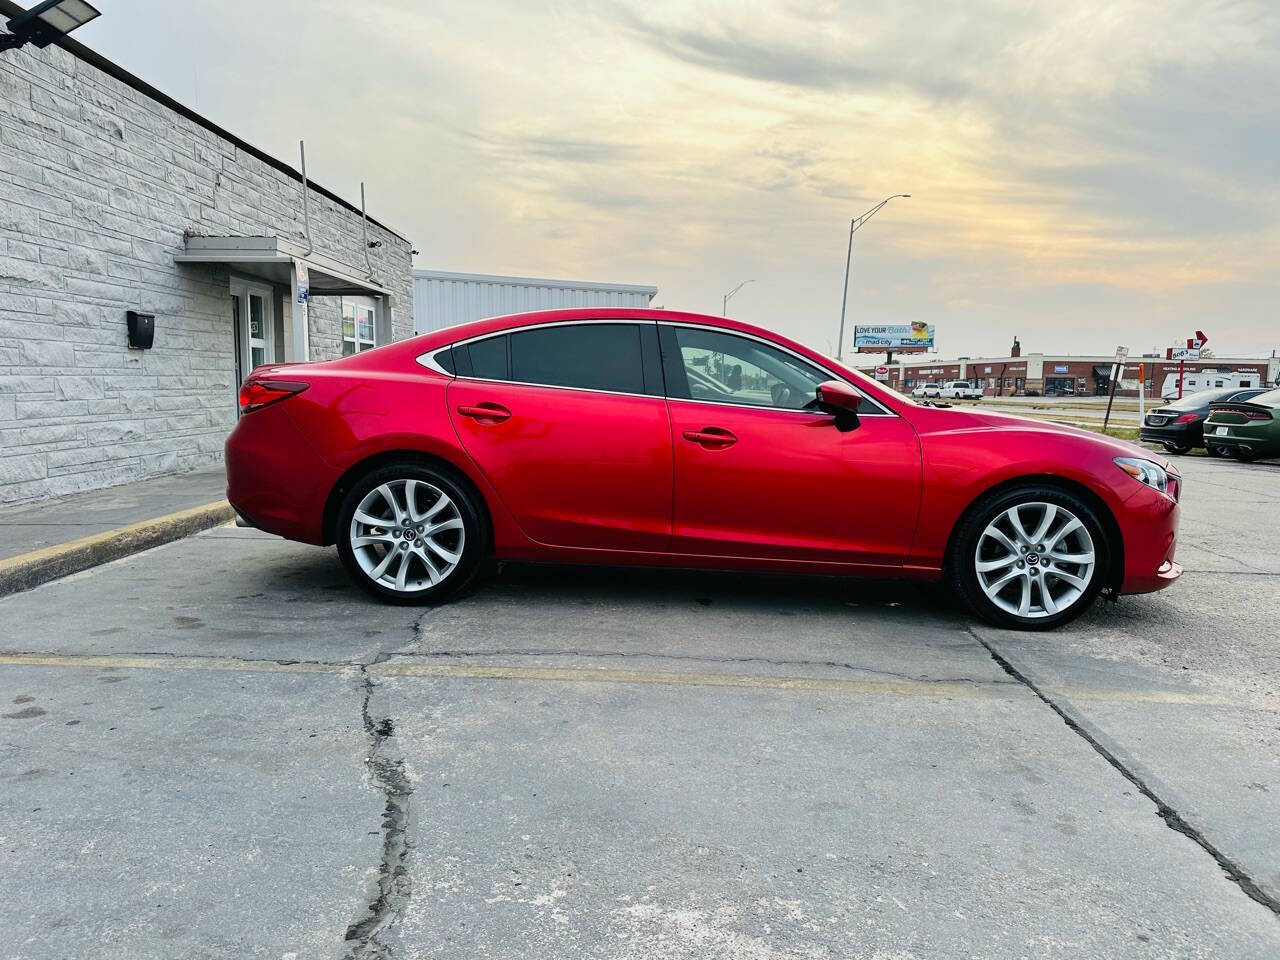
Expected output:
(1145, 471)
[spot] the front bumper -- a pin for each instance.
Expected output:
(1149, 529)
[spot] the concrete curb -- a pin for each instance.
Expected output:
(29, 570)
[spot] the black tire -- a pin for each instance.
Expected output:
(475, 534)
(1177, 448)
(962, 566)
(1213, 451)
(1244, 456)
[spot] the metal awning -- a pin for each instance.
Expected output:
(1102, 371)
(272, 259)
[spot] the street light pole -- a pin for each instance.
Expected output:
(724, 301)
(854, 226)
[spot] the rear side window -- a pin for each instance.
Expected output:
(486, 359)
(604, 356)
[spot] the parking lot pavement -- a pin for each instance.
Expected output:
(182, 813)
(595, 764)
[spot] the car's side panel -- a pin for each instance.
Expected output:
(964, 457)
(575, 468)
(792, 486)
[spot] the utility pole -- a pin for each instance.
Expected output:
(854, 225)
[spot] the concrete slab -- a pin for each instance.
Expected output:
(596, 820)
(160, 814)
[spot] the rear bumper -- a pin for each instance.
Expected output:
(1183, 436)
(1258, 448)
(275, 480)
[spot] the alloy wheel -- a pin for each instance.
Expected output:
(1035, 560)
(407, 535)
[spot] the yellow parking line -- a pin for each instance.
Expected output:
(1143, 696)
(908, 688)
(401, 668)
(144, 662)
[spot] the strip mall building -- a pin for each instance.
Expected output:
(1063, 374)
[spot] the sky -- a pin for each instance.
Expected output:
(1083, 173)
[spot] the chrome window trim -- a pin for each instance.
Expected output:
(428, 360)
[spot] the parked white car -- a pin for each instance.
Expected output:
(927, 390)
(960, 390)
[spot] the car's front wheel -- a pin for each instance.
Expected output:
(411, 533)
(1177, 448)
(1030, 558)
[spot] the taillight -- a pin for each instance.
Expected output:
(1188, 418)
(256, 394)
(1256, 415)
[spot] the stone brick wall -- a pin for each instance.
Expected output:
(98, 183)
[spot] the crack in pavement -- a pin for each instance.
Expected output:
(394, 881)
(1173, 820)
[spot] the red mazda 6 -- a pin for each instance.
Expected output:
(672, 439)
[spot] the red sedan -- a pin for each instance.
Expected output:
(672, 439)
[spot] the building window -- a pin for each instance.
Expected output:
(357, 327)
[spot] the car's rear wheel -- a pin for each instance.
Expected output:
(1177, 448)
(1030, 558)
(411, 533)
(1243, 455)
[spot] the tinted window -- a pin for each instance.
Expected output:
(486, 359)
(732, 369)
(606, 356)
(444, 359)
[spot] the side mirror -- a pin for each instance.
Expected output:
(841, 401)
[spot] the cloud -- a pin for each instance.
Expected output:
(1074, 167)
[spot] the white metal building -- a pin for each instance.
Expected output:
(442, 299)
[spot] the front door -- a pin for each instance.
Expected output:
(255, 327)
(759, 473)
(568, 423)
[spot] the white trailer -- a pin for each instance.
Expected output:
(1193, 381)
(443, 299)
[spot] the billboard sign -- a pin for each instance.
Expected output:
(914, 337)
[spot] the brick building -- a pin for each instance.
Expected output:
(114, 198)
(1066, 375)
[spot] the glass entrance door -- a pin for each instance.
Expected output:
(255, 329)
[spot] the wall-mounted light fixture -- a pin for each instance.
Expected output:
(142, 329)
(46, 22)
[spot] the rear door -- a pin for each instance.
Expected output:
(569, 424)
(759, 473)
